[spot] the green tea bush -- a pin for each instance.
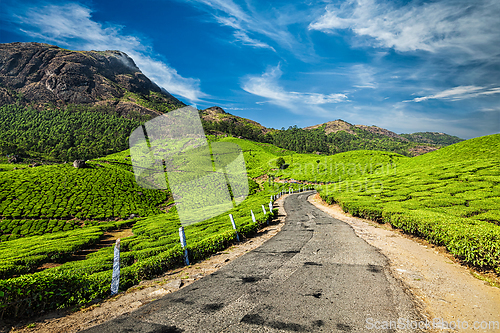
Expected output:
(450, 197)
(63, 192)
(153, 249)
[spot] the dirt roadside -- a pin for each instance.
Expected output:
(447, 289)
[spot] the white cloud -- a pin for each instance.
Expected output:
(497, 109)
(267, 86)
(251, 27)
(229, 14)
(364, 75)
(245, 39)
(71, 25)
(470, 28)
(459, 93)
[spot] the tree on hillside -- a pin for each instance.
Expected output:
(279, 162)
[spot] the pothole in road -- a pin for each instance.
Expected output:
(249, 279)
(310, 263)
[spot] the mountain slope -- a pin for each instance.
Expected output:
(433, 138)
(61, 105)
(217, 122)
(450, 196)
(333, 127)
(42, 73)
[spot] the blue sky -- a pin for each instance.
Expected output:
(406, 66)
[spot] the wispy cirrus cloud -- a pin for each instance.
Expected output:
(71, 25)
(364, 75)
(469, 28)
(459, 93)
(267, 86)
(257, 28)
(243, 37)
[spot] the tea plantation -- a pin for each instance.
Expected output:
(451, 197)
(48, 213)
(54, 198)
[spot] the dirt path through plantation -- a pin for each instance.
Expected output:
(447, 289)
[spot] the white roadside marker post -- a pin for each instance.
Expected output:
(182, 237)
(270, 206)
(264, 210)
(115, 279)
(253, 216)
(234, 227)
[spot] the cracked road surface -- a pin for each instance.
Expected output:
(315, 275)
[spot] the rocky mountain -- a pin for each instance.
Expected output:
(61, 105)
(333, 127)
(40, 73)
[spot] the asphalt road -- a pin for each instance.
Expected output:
(315, 275)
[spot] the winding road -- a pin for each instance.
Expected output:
(315, 275)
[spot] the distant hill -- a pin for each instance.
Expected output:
(328, 138)
(218, 122)
(333, 127)
(352, 137)
(433, 138)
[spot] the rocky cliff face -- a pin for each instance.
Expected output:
(43, 73)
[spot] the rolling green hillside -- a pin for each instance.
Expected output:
(450, 197)
(51, 212)
(52, 198)
(261, 160)
(151, 250)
